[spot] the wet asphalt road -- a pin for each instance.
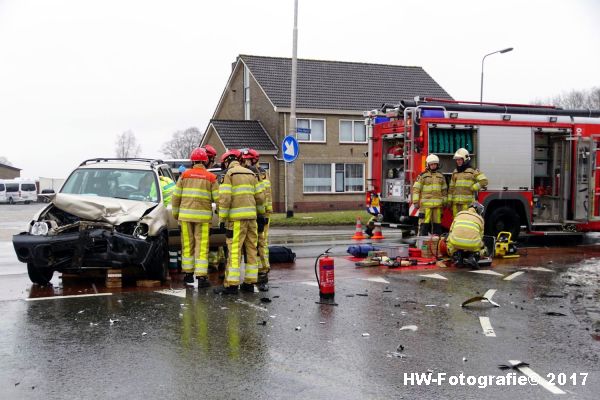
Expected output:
(178, 343)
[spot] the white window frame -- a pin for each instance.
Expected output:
(246, 93)
(353, 141)
(333, 181)
(310, 126)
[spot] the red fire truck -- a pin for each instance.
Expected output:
(541, 162)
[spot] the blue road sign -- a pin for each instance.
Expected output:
(290, 148)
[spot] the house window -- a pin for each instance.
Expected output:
(265, 165)
(334, 178)
(314, 130)
(246, 93)
(352, 132)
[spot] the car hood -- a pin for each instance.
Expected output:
(106, 209)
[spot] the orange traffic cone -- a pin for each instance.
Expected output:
(377, 234)
(358, 233)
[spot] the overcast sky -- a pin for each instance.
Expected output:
(75, 73)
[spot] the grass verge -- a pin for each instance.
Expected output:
(328, 218)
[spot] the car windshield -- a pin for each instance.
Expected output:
(117, 183)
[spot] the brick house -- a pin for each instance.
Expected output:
(330, 172)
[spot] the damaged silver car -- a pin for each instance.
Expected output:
(109, 213)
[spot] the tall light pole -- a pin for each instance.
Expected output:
(290, 176)
(482, 61)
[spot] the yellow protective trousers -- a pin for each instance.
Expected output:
(241, 236)
(194, 247)
(432, 215)
(263, 250)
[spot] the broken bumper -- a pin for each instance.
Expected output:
(93, 248)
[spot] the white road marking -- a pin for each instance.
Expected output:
(251, 305)
(542, 269)
(171, 292)
(376, 279)
(486, 272)
(490, 293)
(486, 325)
(68, 297)
(310, 283)
(513, 275)
(409, 328)
(435, 276)
(535, 376)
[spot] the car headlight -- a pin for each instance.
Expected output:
(141, 231)
(39, 229)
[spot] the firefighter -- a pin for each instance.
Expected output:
(465, 182)
(212, 154)
(251, 158)
(241, 203)
(466, 234)
(371, 224)
(194, 194)
(429, 196)
(167, 186)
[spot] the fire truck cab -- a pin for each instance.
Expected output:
(541, 162)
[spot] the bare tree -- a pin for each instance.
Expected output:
(4, 160)
(182, 143)
(127, 146)
(575, 99)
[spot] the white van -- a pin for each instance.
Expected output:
(18, 192)
(2, 192)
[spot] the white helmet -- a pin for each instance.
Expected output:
(463, 154)
(432, 159)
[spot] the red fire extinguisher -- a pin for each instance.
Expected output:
(325, 275)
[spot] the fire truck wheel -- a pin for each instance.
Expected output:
(503, 219)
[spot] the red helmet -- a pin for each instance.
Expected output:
(210, 150)
(250, 154)
(233, 153)
(199, 154)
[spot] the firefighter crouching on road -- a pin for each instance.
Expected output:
(465, 182)
(466, 234)
(241, 202)
(429, 196)
(371, 224)
(194, 194)
(250, 158)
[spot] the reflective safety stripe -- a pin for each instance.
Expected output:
(225, 188)
(201, 266)
(465, 244)
(249, 212)
(187, 259)
(468, 225)
(232, 273)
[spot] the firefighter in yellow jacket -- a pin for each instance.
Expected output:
(251, 158)
(192, 200)
(466, 234)
(241, 203)
(429, 196)
(465, 182)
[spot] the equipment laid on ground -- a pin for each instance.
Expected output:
(325, 275)
(281, 254)
(541, 162)
(505, 247)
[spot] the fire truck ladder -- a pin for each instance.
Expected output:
(409, 142)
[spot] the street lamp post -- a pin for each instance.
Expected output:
(482, 61)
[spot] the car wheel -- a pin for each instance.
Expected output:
(159, 266)
(41, 276)
(503, 219)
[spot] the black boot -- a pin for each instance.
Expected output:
(188, 279)
(202, 282)
(262, 283)
(424, 229)
(226, 290)
(247, 287)
(437, 229)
